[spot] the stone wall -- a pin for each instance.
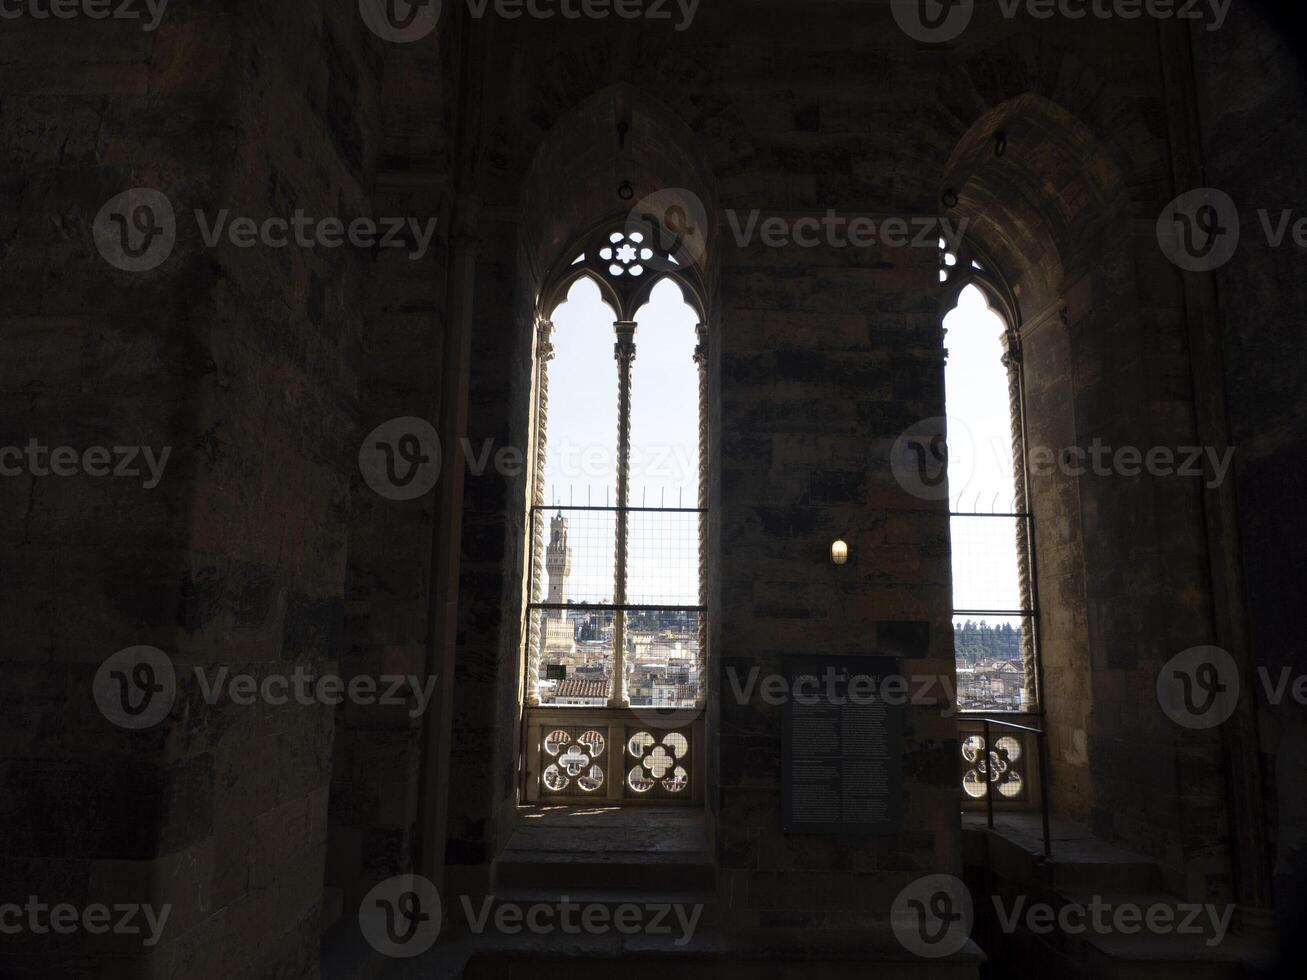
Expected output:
(261, 550)
(483, 772)
(244, 361)
(828, 353)
(1252, 142)
(376, 767)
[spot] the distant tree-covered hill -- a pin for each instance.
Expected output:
(973, 641)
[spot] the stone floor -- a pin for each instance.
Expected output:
(612, 833)
(616, 855)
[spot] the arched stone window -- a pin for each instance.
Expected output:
(994, 607)
(617, 507)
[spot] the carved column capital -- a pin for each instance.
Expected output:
(1011, 348)
(624, 349)
(701, 348)
(544, 340)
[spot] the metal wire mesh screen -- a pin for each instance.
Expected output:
(577, 608)
(986, 571)
(663, 558)
(663, 657)
(576, 656)
(579, 555)
(990, 671)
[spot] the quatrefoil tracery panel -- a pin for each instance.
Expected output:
(574, 761)
(1001, 766)
(659, 762)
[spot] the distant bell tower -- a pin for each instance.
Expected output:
(558, 563)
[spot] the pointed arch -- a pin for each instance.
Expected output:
(1038, 189)
(617, 195)
(626, 285)
(600, 159)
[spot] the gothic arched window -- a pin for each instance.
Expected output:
(615, 598)
(989, 519)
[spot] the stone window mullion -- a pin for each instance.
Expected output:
(624, 353)
(1012, 361)
(701, 362)
(544, 354)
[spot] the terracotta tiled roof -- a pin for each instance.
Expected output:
(575, 687)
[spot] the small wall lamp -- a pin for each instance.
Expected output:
(839, 552)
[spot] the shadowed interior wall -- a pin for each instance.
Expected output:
(244, 361)
(261, 551)
(1253, 141)
(376, 764)
(1121, 558)
(827, 353)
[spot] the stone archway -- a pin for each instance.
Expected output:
(1048, 204)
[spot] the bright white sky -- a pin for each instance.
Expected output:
(580, 463)
(980, 457)
(980, 427)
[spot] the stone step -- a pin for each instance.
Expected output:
(664, 871)
(1105, 876)
(712, 954)
(675, 913)
(605, 896)
(628, 966)
(1165, 957)
(1081, 864)
(1085, 870)
(1180, 911)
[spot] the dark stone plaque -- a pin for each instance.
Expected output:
(903, 637)
(842, 746)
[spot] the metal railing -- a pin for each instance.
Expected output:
(1041, 749)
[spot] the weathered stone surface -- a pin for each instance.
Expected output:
(262, 550)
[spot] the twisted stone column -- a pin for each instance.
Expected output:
(701, 360)
(536, 541)
(624, 352)
(1021, 504)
